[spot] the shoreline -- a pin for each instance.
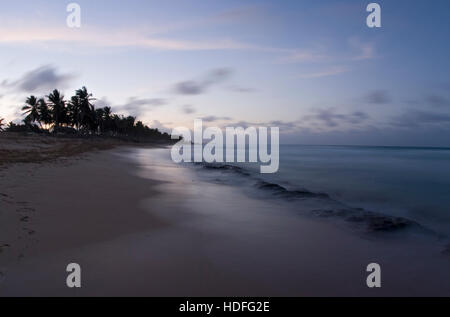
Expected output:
(140, 226)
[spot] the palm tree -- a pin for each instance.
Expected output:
(58, 107)
(74, 112)
(107, 113)
(44, 113)
(129, 124)
(115, 124)
(100, 119)
(108, 119)
(87, 115)
(80, 112)
(31, 109)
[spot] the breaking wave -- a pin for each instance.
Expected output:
(369, 220)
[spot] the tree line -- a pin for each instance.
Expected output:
(78, 115)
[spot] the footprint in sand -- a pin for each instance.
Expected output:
(6, 198)
(26, 209)
(3, 247)
(29, 231)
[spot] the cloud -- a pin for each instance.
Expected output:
(284, 126)
(315, 122)
(357, 117)
(378, 97)
(102, 102)
(244, 124)
(332, 71)
(418, 118)
(365, 51)
(188, 109)
(357, 51)
(237, 15)
(160, 126)
(304, 132)
(330, 119)
(303, 56)
(437, 101)
(42, 78)
(137, 106)
(193, 87)
(214, 118)
(240, 89)
(189, 88)
(143, 37)
(386, 136)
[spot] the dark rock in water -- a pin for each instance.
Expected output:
(325, 213)
(304, 193)
(271, 186)
(224, 167)
(281, 191)
(374, 222)
(385, 223)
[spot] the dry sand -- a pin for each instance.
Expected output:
(33, 148)
(54, 198)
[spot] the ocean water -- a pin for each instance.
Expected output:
(354, 181)
(288, 232)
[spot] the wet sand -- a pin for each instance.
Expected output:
(141, 226)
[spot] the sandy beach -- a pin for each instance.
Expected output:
(139, 225)
(244, 150)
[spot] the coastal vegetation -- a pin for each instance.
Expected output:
(78, 117)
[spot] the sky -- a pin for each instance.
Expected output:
(312, 68)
